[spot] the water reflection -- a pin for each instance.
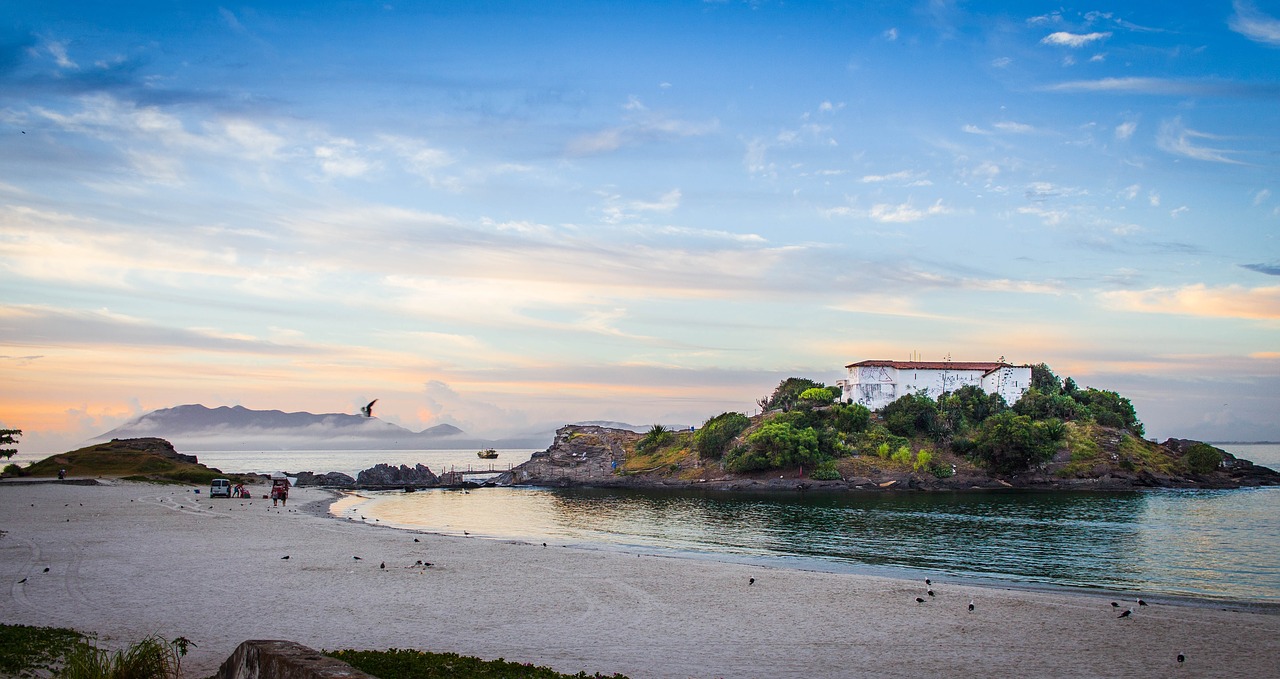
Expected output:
(1205, 543)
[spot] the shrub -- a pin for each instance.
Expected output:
(1009, 443)
(25, 650)
(1203, 458)
(882, 450)
(923, 459)
(12, 470)
(911, 415)
(717, 433)
(784, 445)
(902, 455)
(850, 419)
(826, 471)
(151, 658)
(787, 394)
(817, 396)
(657, 437)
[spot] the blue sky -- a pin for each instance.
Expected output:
(507, 216)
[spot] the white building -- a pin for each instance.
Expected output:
(876, 384)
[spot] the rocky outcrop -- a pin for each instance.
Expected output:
(386, 476)
(155, 446)
(597, 456)
(329, 480)
(284, 660)
(580, 455)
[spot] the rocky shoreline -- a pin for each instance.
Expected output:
(593, 456)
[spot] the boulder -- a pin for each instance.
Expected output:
(332, 480)
(386, 475)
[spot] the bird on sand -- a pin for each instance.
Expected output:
(930, 593)
(751, 581)
(1140, 602)
(46, 569)
(1115, 604)
(382, 565)
(22, 581)
(1182, 658)
(285, 557)
(919, 600)
(971, 605)
(927, 581)
(465, 533)
(357, 558)
(416, 540)
(367, 411)
(1127, 612)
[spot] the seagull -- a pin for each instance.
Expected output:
(971, 605)
(367, 411)
(1127, 612)
(382, 565)
(1115, 605)
(927, 581)
(919, 600)
(416, 540)
(22, 581)
(1182, 658)
(465, 533)
(285, 557)
(46, 569)
(751, 581)
(930, 593)
(1140, 602)
(357, 558)
(544, 544)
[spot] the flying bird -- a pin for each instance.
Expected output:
(367, 411)
(1127, 612)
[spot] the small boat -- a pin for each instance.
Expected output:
(487, 454)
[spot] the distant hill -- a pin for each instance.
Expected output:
(196, 427)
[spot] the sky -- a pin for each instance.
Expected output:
(508, 216)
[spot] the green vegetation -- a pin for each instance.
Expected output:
(787, 395)
(713, 439)
(1203, 458)
(151, 658)
(774, 444)
(9, 437)
(657, 437)
(31, 651)
(1009, 443)
(133, 459)
(407, 664)
(826, 471)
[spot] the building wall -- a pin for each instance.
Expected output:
(877, 386)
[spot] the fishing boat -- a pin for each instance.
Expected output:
(487, 454)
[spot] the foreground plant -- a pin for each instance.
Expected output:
(409, 664)
(151, 658)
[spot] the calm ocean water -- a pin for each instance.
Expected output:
(1205, 544)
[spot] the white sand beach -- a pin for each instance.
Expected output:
(128, 560)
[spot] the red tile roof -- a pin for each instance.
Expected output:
(984, 366)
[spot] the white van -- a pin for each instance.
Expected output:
(220, 487)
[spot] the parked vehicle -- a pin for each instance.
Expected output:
(220, 488)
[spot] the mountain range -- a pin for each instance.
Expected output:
(196, 427)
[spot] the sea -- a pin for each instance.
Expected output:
(1207, 545)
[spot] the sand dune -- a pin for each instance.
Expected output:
(127, 560)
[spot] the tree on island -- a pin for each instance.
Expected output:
(9, 437)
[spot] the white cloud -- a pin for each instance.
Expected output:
(1001, 62)
(1130, 192)
(640, 126)
(1179, 211)
(59, 52)
(1153, 199)
(1125, 130)
(891, 34)
(1065, 39)
(1261, 197)
(340, 158)
(1255, 25)
(1015, 128)
(1178, 139)
(906, 212)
